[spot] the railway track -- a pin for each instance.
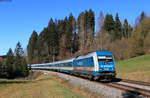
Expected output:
(142, 89)
(138, 88)
(131, 90)
(136, 82)
(138, 91)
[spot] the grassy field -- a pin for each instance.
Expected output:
(45, 86)
(137, 68)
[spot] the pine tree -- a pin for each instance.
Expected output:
(25, 69)
(18, 56)
(69, 34)
(90, 26)
(53, 40)
(18, 50)
(61, 27)
(32, 48)
(20, 64)
(91, 22)
(126, 29)
(43, 51)
(118, 28)
(109, 24)
(10, 63)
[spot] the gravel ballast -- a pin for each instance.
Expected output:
(94, 87)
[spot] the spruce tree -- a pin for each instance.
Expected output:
(32, 48)
(20, 63)
(90, 27)
(69, 34)
(53, 40)
(19, 50)
(126, 29)
(91, 21)
(25, 69)
(109, 24)
(118, 28)
(43, 53)
(10, 64)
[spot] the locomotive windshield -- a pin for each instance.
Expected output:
(105, 59)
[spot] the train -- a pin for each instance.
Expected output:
(96, 65)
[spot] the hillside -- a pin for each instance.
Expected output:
(137, 68)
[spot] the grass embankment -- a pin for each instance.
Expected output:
(45, 86)
(137, 68)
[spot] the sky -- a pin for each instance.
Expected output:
(18, 18)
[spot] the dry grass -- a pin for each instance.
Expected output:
(139, 76)
(45, 86)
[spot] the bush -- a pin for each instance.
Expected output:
(120, 49)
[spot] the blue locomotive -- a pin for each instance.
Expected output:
(97, 65)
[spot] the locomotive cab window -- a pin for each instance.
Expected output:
(105, 59)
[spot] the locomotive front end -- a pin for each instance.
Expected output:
(106, 65)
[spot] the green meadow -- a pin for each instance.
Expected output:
(137, 68)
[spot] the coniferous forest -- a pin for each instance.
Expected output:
(70, 37)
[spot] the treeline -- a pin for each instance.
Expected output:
(72, 36)
(15, 64)
(128, 41)
(61, 38)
